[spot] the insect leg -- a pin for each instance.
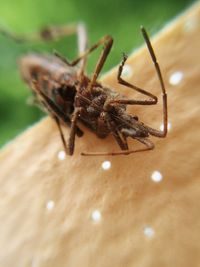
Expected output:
(151, 101)
(107, 40)
(80, 30)
(164, 94)
(82, 44)
(53, 33)
(121, 140)
(147, 142)
(61, 133)
(49, 110)
(55, 112)
(71, 140)
(46, 34)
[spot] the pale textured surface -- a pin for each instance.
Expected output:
(127, 198)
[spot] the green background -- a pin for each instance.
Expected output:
(119, 18)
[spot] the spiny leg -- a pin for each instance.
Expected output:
(147, 142)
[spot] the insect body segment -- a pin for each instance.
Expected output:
(70, 96)
(53, 79)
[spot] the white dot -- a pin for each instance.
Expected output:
(96, 215)
(149, 231)
(169, 126)
(156, 176)
(190, 24)
(50, 205)
(106, 165)
(127, 71)
(61, 155)
(176, 78)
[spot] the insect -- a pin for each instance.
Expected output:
(70, 96)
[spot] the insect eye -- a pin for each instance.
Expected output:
(135, 118)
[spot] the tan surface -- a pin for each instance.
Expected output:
(127, 198)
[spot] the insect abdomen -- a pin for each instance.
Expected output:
(33, 66)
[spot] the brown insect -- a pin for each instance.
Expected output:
(70, 96)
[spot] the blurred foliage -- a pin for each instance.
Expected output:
(119, 18)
